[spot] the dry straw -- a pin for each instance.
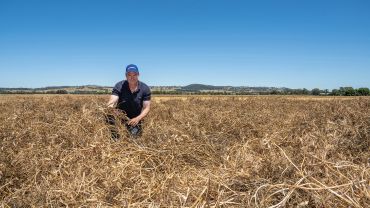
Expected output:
(196, 152)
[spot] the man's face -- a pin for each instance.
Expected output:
(132, 77)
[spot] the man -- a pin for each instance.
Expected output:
(132, 97)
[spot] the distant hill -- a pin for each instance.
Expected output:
(197, 87)
(202, 87)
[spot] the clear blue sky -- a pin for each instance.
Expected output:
(278, 43)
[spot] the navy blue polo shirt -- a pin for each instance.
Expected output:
(131, 103)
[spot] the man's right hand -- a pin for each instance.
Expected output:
(113, 100)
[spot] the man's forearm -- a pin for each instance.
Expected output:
(112, 101)
(144, 112)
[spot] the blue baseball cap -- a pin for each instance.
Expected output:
(132, 68)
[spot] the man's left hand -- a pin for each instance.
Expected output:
(134, 121)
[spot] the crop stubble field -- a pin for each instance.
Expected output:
(215, 151)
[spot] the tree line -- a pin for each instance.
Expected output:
(342, 91)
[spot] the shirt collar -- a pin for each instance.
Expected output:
(128, 86)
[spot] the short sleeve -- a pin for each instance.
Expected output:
(117, 89)
(147, 94)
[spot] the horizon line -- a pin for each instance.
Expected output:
(61, 86)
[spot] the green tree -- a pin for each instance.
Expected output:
(274, 92)
(364, 91)
(342, 91)
(305, 91)
(316, 91)
(61, 92)
(326, 91)
(335, 92)
(349, 91)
